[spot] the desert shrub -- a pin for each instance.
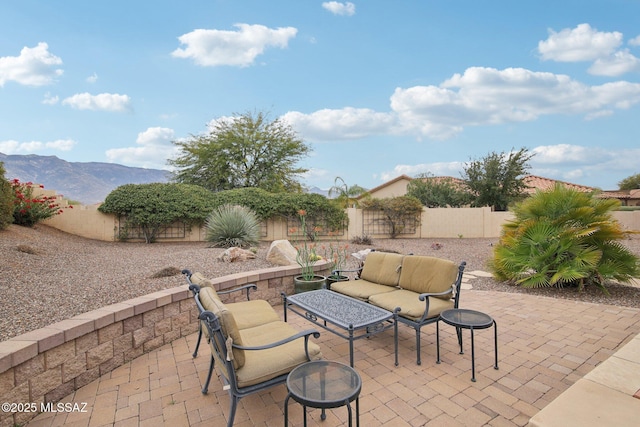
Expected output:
(319, 210)
(232, 225)
(6, 200)
(152, 207)
(361, 240)
(563, 237)
(397, 213)
(28, 209)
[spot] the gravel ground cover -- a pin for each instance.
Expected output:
(47, 275)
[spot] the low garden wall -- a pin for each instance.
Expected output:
(47, 364)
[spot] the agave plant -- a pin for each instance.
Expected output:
(563, 237)
(232, 225)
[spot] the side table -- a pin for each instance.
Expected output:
(467, 319)
(323, 384)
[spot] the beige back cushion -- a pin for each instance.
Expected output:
(382, 268)
(227, 322)
(203, 282)
(423, 274)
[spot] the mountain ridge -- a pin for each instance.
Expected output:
(84, 182)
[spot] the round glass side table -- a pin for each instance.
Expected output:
(467, 319)
(323, 384)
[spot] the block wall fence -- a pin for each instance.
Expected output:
(45, 365)
(87, 221)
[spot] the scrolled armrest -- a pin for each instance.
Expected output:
(426, 295)
(304, 334)
(249, 287)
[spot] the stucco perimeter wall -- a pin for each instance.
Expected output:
(48, 364)
(87, 221)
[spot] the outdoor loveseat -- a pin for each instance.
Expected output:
(421, 286)
(255, 357)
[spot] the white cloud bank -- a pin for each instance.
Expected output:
(154, 147)
(478, 97)
(102, 102)
(34, 67)
(339, 8)
(584, 43)
(240, 48)
(31, 147)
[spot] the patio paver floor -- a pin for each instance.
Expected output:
(545, 346)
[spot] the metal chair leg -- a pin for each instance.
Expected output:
(195, 352)
(205, 389)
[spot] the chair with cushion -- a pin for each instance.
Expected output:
(247, 313)
(255, 358)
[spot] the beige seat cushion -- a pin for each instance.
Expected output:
(263, 365)
(382, 268)
(423, 274)
(360, 289)
(198, 279)
(252, 313)
(412, 307)
(227, 323)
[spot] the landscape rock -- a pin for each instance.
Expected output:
(235, 254)
(282, 252)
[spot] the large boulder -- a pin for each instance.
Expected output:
(282, 252)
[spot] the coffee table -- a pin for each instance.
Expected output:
(344, 316)
(323, 384)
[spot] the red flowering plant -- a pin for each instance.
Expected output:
(28, 209)
(307, 255)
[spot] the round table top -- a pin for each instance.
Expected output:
(324, 384)
(466, 318)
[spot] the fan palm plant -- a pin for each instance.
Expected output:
(563, 237)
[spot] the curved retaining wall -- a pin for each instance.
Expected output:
(48, 364)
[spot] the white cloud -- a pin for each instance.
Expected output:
(34, 67)
(582, 43)
(103, 102)
(619, 63)
(49, 99)
(339, 8)
(438, 169)
(345, 123)
(236, 48)
(92, 78)
(478, 97)
(32, 147)
(154, 148)
(566, 153)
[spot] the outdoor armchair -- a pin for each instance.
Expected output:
(252, 359)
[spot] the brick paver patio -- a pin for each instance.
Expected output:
(545, 345)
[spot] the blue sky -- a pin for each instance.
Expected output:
(377, 88)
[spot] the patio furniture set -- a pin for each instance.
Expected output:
(255, 350)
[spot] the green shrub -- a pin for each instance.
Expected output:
(397, 213)
(28, 210)
(6, 200)
(232, 225)
(152, 207)
(563, 237)
(320, 211)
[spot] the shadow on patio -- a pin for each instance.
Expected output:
(545, 346)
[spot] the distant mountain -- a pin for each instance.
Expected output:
(316, 190)
(87, 183)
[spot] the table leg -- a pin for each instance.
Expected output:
(495, 337)
(286, 410)
(351, 345)
(473, 358)
(438, 341)
(395, 332)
